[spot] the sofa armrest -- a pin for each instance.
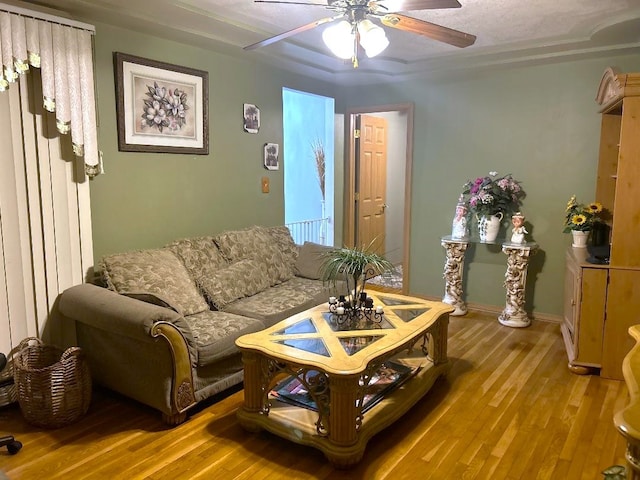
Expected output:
(108, 310)
(140, 322)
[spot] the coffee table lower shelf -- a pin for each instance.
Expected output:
(345, 447)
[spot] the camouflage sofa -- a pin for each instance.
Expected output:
(163, 330)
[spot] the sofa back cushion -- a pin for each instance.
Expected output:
(310, 260)
(237, 280)
(200, 255)
(240, 244)
(156, 271)
(281, 236)
(257, 244)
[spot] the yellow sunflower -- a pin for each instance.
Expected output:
(571, 203)
(578, 219)
(594, 207)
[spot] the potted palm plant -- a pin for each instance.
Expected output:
(354, 266)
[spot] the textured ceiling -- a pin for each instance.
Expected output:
(508, 32)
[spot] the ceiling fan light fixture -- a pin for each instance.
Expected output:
(339, 38)
(372, 38)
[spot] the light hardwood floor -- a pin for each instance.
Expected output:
(509, 409)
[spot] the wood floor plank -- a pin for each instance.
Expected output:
(508, 409)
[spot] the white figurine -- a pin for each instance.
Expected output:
(459, 226)
(518, 228)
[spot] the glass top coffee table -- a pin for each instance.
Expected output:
(338, 365)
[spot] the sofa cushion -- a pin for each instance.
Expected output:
(240, 244)
(283, 300)
(200, 255)
(310, 259)
(256, 243)
(156, 271)
(281, 236)
(239, 279)
(215, 333)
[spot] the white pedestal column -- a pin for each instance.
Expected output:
(453, 290)
(515, 280)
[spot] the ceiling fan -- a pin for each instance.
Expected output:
(355, 27)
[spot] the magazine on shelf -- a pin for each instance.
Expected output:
(389, 376)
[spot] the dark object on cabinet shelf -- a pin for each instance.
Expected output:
(600, 234)
(599, 255)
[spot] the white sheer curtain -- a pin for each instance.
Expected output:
(45, 163)
(64, 55)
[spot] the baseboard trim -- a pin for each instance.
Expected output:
(497, 310)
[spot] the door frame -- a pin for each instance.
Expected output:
(350, 178)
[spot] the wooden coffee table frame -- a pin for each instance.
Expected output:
(339, 428)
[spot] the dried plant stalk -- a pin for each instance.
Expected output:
(318, 152)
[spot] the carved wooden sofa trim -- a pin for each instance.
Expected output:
(182, 392)
(627, 421)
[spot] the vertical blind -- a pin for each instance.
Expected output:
(49, 149)
(64, 55)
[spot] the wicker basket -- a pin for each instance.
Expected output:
(54, 387)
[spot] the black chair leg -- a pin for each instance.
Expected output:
(13, 445)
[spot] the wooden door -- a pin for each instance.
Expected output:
(371, 185)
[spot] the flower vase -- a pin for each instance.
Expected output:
(579, 239)
(488, 227)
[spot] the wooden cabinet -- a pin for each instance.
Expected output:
(602, 302)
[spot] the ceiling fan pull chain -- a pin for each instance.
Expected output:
(356, 41)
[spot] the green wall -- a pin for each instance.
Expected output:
(539, 123)
(146, 200)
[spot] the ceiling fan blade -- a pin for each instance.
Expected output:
(290, 3)
(290, 33)
(431, 30)
(407, 5)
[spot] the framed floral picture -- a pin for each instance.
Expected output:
(251, 118)
(161, 108)
(271, 156)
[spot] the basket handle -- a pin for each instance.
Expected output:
(7, 372)
(71, 352)
(25, 343)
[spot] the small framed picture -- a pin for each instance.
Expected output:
(271, 156)
(251, 116)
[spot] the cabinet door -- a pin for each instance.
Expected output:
(623, 310)
(590, 321)
(572, 282)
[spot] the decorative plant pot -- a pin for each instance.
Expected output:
(488, 226)
(579, 239)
